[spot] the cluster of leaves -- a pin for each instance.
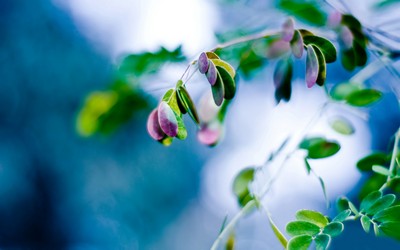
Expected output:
(105, 111)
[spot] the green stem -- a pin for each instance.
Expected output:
(368, 71)
(229, 227)
(393, 159)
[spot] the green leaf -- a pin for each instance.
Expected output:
(166, 141)
(342, 204)
(308, 166)
(310, 141)
(381, 170)
(182, 132)
(342, 216)
(388, 214)
(353, 208)
(226, 66)
(301, 242)
(186, 101)
(167, 119)
(366, 223)
(173, 103)
(321, 66)
(230, 243)
(360, 54)
(376, 229)
(363, 97)
(391, 229)
(282, 239)
(218, 91)
(342, 90)
(370, 200)
(304, 32)
(382, 203)
(308, 12)
(342, 126)
(228, 82)
(334, 228)
(326, 47)
(377, 158)
(321, 181)
(311, 216)
(322, 241)
(373, 183)
(167, 96)
(282, 80)
(323, 149)
(295, 228)
(348, 59)
(241, 185)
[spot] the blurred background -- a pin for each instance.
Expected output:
(61, 190)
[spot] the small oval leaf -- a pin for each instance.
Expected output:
(295, 228)
(296, 44)
(228, 82)
(326, 47)
(218, 91)
(377, 158)
(340, 91)
(366, 223)
(288, 30)
(334, 228)
(314, 217)
(322, 241)
(301, 242)
(363, 97)
(391, 229)
(388, 214)
(153, 126)
(321, 66)
(369, 200)
(312, 68)
(226, 66)
(188, 104)
(167, 119)
(241, 185)
(342, 216)
(282, 80)
(381, 170)
(342, 126)
(382, 203)
(203, 63)
(212, 73)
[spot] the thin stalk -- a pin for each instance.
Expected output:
(368, 71)
(393, 159)
(228, 228)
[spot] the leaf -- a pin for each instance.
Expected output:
(310, 141)
(182, 132)
(363, 97)
(218, 91)
(188, 104)
(225, 65)
(167, 95)
(334, 228)
(228, 82)
(321, 66)
(308, 166)
(203, 63)
(153, 126)
(388, 214)
(382, 203)
(282, 80)
(311, 216)
(210, 133)
(342, 126)
(167, 119)
(296, 44)
(326, 47)
(173, 103)
(342, 216)
(376, 229)
(212, 74)
(381, 170)
(366, 223)
(366, 163)
(241, 185)
(321, 181)
(288, 30)
(373, 183)
(340, 91)
(212, 55)
(323, 149)
(282, 239)
(312, 67)
(305, 32)
(230, 243)
(391, 229)
(346, 37)
(370, 200)
(295, 228)
(360, 54)
(306, 11)
(276, 48)
(322, 241)
(301, 242)
(342, 204)
(348, 59)
(353, 208)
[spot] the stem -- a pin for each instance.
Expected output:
(247, 208)
(245, 39)
(368, 71)
(393, 159)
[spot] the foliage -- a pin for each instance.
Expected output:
(244, 56)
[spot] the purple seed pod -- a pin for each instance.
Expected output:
(153, 126)
(288, 30)
(203, 63)
(212, 73)
(167, 119)
(210, 134)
